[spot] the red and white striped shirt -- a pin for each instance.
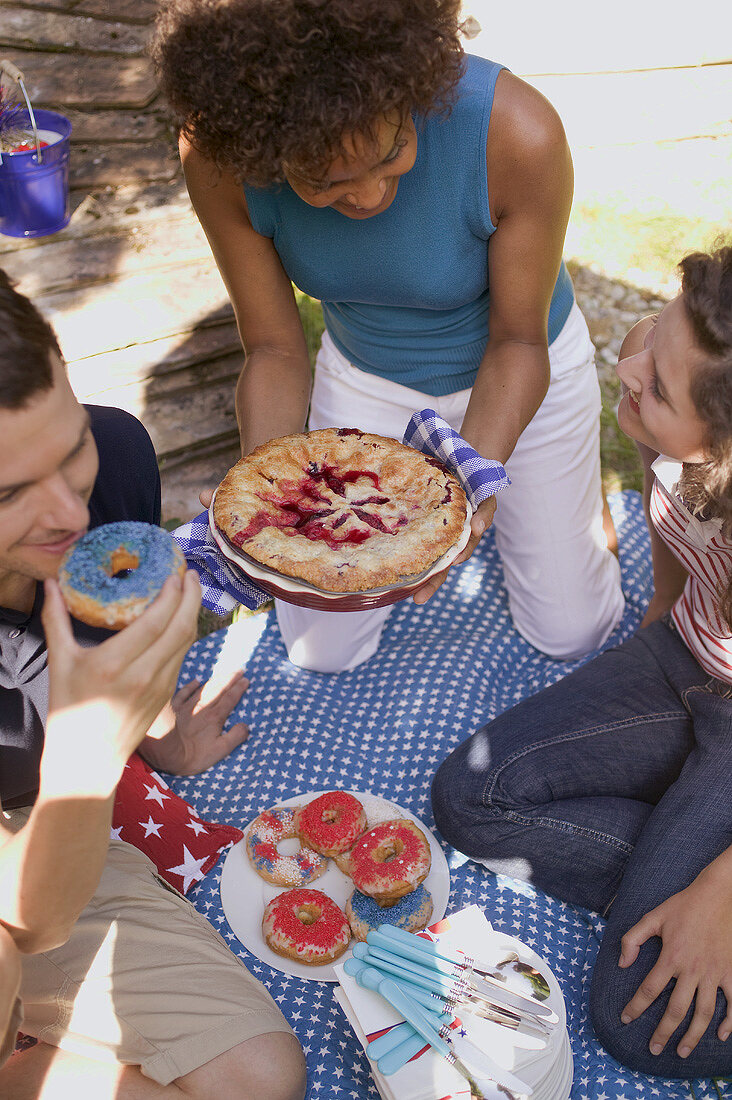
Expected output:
(704, 551)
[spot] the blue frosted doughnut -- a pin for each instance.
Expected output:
(113, 572)
(411, 913)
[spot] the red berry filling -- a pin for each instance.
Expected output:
(300, 511)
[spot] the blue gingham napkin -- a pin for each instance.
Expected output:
(224, 586)
(480, 477)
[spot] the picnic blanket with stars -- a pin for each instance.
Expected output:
(441, 671)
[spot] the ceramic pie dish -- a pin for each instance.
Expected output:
(306, 595)
(340, 519)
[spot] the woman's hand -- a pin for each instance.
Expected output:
(481, 521)
(695, 927)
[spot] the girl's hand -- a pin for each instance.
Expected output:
(695, 927)
(657, 607)
(480, 523)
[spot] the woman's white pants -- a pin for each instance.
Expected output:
(563, 583)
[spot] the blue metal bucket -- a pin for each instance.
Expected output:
(34, 192)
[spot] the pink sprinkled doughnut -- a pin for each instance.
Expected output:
(263, 836)
(390, 860)
(331, 823)
(306, 925)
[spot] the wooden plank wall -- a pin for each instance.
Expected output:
(140, 310)
(130, 287)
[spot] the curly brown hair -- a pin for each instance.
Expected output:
(706, 285)
(258, 84)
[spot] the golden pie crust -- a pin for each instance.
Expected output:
(341, 509)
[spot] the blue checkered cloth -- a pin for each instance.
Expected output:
(224, 586)
(480, 477)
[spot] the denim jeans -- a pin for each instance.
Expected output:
(608, 790)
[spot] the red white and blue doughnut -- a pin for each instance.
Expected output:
(411, 913)
(114, 572)
(263, 836)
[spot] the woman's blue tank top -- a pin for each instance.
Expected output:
(405, 293)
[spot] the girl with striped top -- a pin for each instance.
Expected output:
(611, 789)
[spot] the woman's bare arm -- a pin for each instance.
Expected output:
(530, 181)
(273, 390)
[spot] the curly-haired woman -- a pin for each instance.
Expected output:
(611, 788)
(350, 147)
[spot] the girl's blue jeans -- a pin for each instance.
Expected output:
(611, 790)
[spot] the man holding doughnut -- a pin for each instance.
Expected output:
(119, 1011)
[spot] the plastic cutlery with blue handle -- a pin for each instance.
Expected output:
(454, 991)
(462, 969)
(455, 1048)
(425, 993)
(369, 977)
(411, 940)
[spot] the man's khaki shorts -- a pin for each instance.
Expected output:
(144, 979)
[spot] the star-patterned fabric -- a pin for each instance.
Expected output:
(440, 672)
(148, 814)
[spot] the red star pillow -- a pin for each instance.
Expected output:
(152, 817)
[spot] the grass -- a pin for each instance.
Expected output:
(311, 316)
(642, 248)
(621, 466)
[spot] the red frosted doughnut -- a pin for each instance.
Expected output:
(306, 925)
(390, 860)
(331, 823)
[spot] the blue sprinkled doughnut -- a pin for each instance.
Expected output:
(411, 913)
(113, 572)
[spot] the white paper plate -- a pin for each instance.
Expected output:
(244, 894)
(557, 1084)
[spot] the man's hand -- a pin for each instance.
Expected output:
(189, 735)
(103, 699)
(695, 927)
(479, 524)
